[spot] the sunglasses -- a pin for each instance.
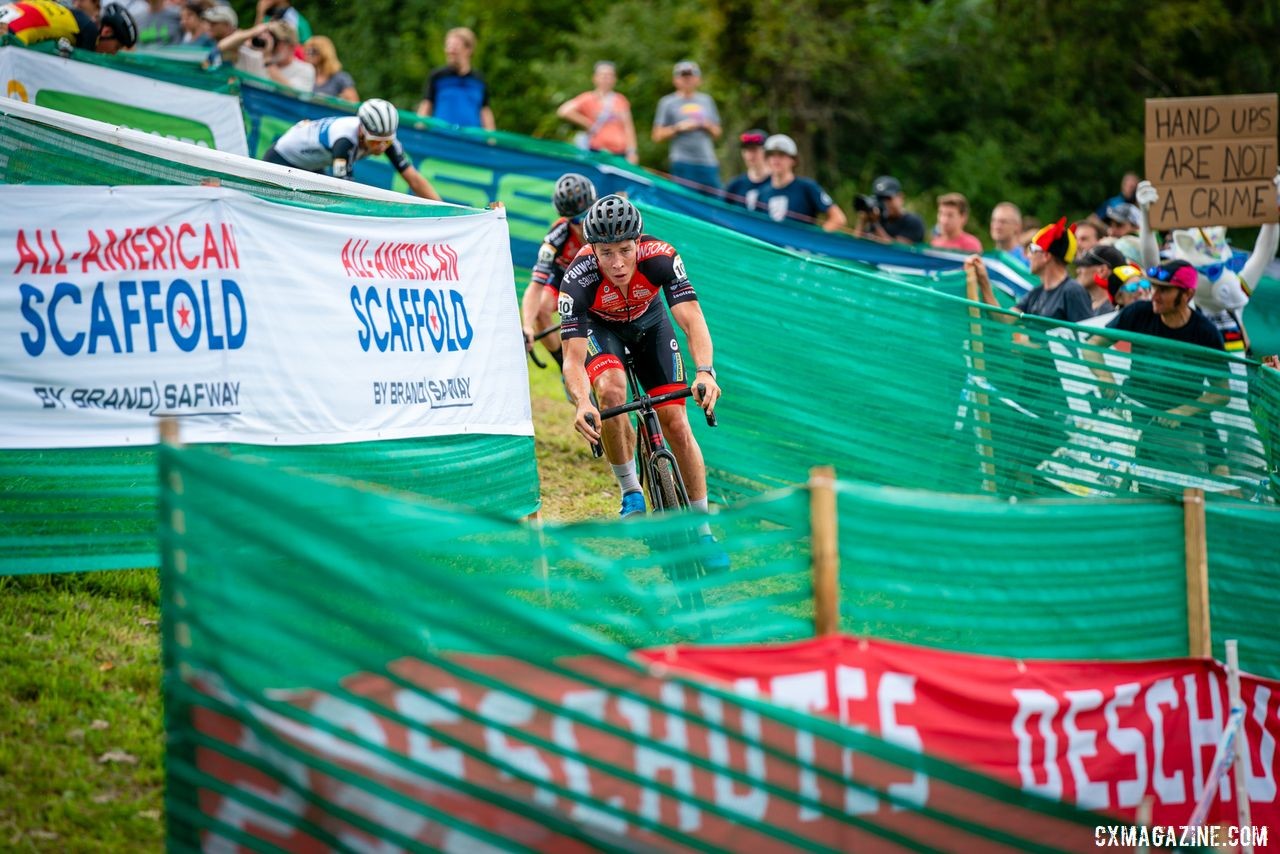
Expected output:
(1214, 271)
(1034, 248)
(1131, 287)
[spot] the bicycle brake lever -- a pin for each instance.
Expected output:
(597, 449)
(711, 416)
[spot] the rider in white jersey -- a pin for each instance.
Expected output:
(337, 142)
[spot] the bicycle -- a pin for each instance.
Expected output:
(659, 470)
(538, 337)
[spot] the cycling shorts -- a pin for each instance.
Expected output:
(651, 341)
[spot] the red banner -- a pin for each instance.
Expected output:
(1102, 735)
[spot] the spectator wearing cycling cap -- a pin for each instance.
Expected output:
(222, 22)
(745, 189)
(1058, 296)
(1126, 285)
(689, 120)
(1123, 219)
(337, 142)
(1169, 315)
(1093, 269)
(888, 218)
(35, 21)
(788, 196)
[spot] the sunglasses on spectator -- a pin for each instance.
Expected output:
(1132, 287)
(1034, 248)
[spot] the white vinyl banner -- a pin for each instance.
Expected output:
(120, 98)
(251, 321)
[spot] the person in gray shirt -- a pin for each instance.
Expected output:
(689, 120)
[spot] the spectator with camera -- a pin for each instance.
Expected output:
(267, 50)
(787, 195)
(282, 10)
(883, 215)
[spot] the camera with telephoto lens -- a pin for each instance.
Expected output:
(869, 205)
(262, 42)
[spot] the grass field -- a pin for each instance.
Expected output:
(81, 725)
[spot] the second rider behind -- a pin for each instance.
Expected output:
(608, 306)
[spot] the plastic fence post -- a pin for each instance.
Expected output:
(1243, 812)
(1199, 642)
(824, 550)
(986, 448)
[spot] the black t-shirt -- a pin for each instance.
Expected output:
(908, 226)
(1181, 380)
(743, 191)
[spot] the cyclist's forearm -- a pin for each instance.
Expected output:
(575, 369)
(690, 318)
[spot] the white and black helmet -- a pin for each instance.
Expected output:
(574, 194)
(379, 118)
(613, 219)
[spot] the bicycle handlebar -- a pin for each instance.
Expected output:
(538, 336)
(645, 402)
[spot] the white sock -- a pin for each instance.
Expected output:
(700, 506)
(626, 475)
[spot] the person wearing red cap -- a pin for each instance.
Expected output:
(1058, 296)
(745, 189)
(1170, 315)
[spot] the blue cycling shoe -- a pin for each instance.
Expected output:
(716, 559)
(632, 503)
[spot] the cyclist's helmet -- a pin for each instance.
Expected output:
(574, 194)
(613, 219)
(379, 118)
(121, 23)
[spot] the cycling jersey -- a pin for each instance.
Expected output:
(559, 247)
(585, 290)
(34, 21)
(314, 145)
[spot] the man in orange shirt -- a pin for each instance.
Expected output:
(605, 115)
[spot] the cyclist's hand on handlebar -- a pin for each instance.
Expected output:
(711, 391)
(589, 431)
(528, 339)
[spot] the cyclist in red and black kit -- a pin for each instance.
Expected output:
(608, 306)
(573, 195)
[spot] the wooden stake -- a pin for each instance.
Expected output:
(824, 550)
(170, 432)
(1243, 808)
(981, 403)
(1199, 642)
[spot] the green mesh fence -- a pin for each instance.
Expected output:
(1244, 573)
(1045, 579)
(410, 700)
(907, 386)
(73, 510)
(85, 509)
(25, 159)
(156, 67)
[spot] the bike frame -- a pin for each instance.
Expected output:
(651, 446)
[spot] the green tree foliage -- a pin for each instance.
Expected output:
(1029, 100)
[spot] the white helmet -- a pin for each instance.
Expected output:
(379, 118)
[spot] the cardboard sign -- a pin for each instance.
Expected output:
(1212, 160)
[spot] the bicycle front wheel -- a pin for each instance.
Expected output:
(662, 486)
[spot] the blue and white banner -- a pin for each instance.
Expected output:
(251, 321)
